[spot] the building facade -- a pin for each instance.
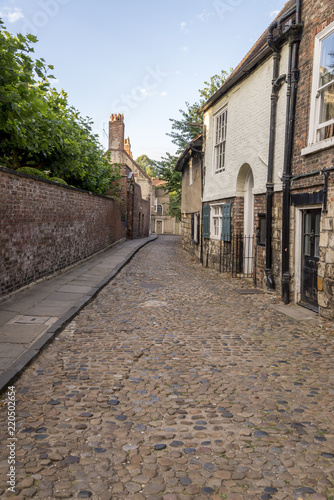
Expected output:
(136, 185)
(245, 126)
(161, 221)
(311, 183)
(120, 152)
(267, 174)
(190, 164)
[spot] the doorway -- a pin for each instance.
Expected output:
(248, 223)
(159, 226)
(310, 258)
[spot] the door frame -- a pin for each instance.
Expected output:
(299, 237)
(162, 226)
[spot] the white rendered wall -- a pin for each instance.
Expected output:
(247, 139)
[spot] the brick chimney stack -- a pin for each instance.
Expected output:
(127, 147)
(116, 132)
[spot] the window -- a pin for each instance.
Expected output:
(220, 141)
(155, 204)
(216, 221)
(190, 172)
(159, 210)
(195, 227)
(322, 103)
(262, 230)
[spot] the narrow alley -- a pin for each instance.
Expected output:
(177, 383)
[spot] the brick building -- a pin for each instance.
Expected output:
(307, 226)
(120, 152)
(136, 184)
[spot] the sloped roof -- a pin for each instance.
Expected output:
(259, 51)
(158, 182)
(186, 154)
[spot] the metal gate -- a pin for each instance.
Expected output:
(238, 257)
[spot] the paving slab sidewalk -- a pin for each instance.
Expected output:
(32, 317)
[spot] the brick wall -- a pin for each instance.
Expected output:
(45, 227)
(316, 16)
(140, 214)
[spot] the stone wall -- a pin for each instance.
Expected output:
(46, 227)
(326, 263)
(187, 242)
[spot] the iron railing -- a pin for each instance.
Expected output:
(238, 257)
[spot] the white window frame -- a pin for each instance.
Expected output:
(162, 209)
(314, 144)
(220, 129)
(216, 214)
(155, 204)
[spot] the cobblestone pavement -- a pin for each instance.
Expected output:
(172, 385)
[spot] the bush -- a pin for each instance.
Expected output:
(57, 179)
(33, 171)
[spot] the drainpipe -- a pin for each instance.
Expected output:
(277, 82)
(276, 85)
(295, 36)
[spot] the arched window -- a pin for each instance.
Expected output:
(159, 210)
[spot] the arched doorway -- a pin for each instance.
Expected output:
(245, 239)
(248, 222)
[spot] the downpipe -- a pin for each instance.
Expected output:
(295, 36)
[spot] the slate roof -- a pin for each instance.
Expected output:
(257, 54)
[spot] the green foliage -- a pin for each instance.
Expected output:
(33, 171)
(148, 165)
(60, 181)
(166, 169)
(182, 133)
(38, 127)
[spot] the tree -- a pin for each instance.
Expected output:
(182, 133)
(167, 172)
(147, 165)
(38, 127)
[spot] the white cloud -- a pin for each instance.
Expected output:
(204, 16)
(185, 49)
(164, 94)
(184, 27)
(11, 14)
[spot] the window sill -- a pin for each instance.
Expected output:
(318, 146)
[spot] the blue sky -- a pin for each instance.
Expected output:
(142, 58)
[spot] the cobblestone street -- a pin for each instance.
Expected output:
(173, 384)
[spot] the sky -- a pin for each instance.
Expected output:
(143, 58)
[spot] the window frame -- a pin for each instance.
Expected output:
(220, 132)
(262, 229)
(214, 216)
(314, 143)
(162, 210)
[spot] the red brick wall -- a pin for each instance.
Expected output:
(46, 227)
(316, 15)
(141, 208)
